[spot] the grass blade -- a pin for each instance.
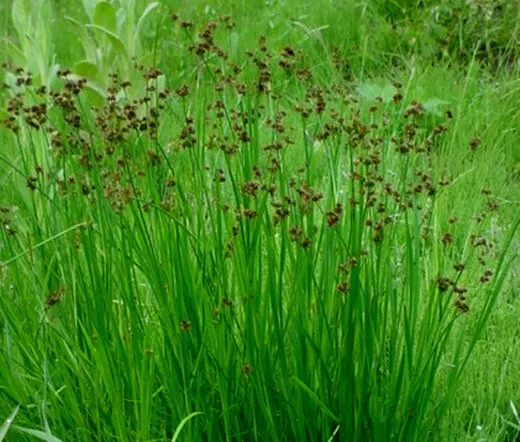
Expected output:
(315, 398)
(7, 424)
(42, 435)
(183, 423)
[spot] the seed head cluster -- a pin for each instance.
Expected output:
(317, 166)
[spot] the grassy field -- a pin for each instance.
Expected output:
(260, 220)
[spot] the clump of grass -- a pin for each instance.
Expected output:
(229, 248)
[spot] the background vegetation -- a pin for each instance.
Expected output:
(259, 220)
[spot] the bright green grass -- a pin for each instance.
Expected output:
(137, 305)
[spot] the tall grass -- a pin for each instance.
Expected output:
(264, 252)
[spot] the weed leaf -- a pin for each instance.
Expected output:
(114, 39)
(105, 16)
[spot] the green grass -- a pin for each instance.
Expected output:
(308, 237)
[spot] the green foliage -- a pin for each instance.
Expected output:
(205, 234)
(460, 29)
(8, 422)
(34, 50)
(111, 42)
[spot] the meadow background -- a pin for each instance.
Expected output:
(259, 220)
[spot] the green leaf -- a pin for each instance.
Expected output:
(159, 83)
(14, 53)
(183, 423)
(434, 106)
(114, 39)
(88, 70)
(234, 39)
(148, 59)
(140, 23)
(47, 437)
(387, 93)
(95, 94)
(4, 115)
(315, 398)
(10, 79)
(7, 424)
(105, 16)
(83, 36)
(74, 21)
(89, 6)
(94, 89)
(512, 424)
(145, 14)
(52, 73)
(19, 17)
(371, 91)
(438, 31)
